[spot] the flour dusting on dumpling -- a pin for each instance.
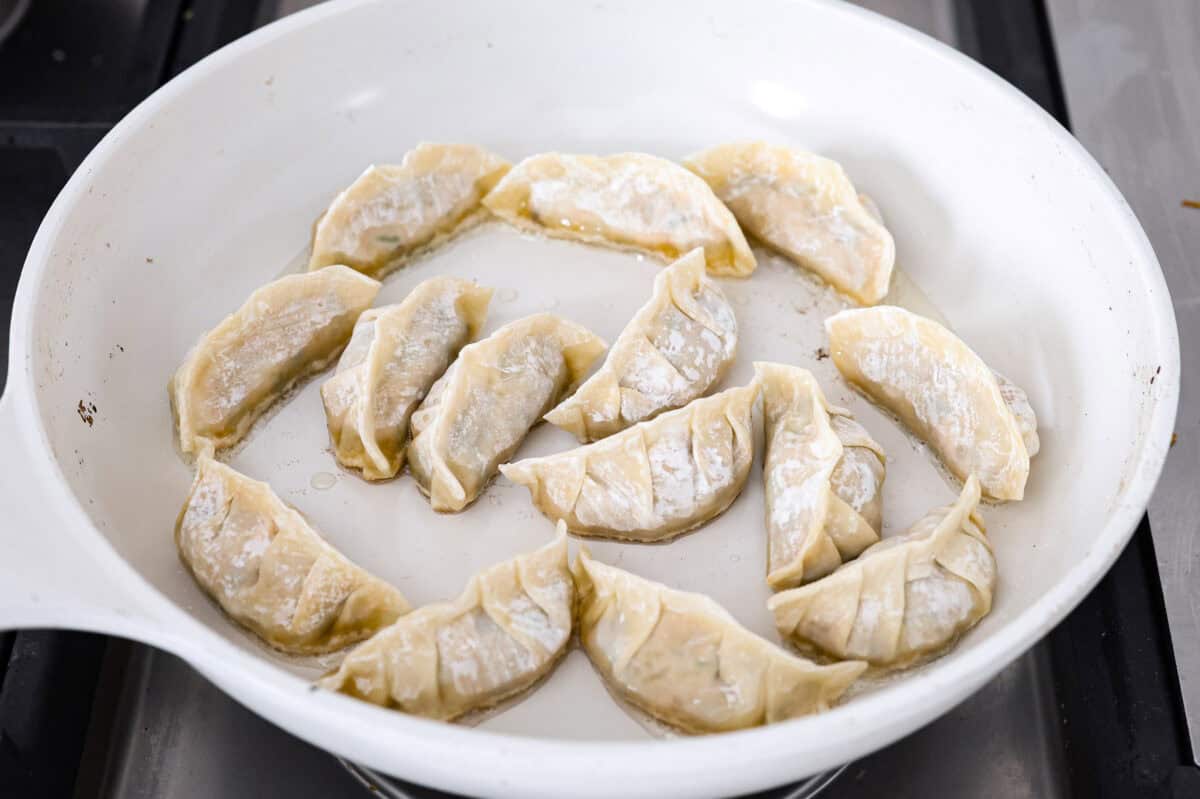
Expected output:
(286, 331)
(823, 475)
(394, 356)
(805, 207)
(478, 413)
(942, 391)
(677, 346)
(270, 571)
(683, 658)
(903, 599)
(392, 212)
(628, 200)
(652, 481)
(505, 631)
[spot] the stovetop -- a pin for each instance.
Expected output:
(1093, 710)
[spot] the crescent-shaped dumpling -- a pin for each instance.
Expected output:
(478, 413)
(824, 479)
(906, 597)
(393, 212)
(685, 660)
(652, 481)
(504, 632)
(629, 200)
(677, 346)
(270, 571)
(287, 331)
(394, 356)
(805, 207)
(936, 385)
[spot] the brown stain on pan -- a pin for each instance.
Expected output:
(87, 412)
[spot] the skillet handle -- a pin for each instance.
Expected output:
(53, 571)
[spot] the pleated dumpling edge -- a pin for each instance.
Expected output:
(629, 201)
(508, 629)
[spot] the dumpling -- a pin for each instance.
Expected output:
(629, 200)
(390, 213)
(677, 347)
(270, 571)
(1018, 402)
(925, 375)
(806, 208)
(477, 414)
(287, 331)
(823, 474)
(683, 659)
(393, 357)
(652, 481)
(507, 630)
(904, 598)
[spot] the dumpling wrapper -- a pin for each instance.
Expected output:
(478, 413)
(1018, 402)
(942, 391)
(824, 478)
(685, 660)
(286, 331)
(507, 630)
(904, 598)
(652, 481)
(391, 213)
(678, 346)
(805, 207)
(394, 356)
(629, 200)
(270, 571)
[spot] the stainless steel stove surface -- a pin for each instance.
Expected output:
(175, 735)
(1095, 710)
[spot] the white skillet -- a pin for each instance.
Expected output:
(207, 190)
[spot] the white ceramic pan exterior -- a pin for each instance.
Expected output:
(207, 190)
